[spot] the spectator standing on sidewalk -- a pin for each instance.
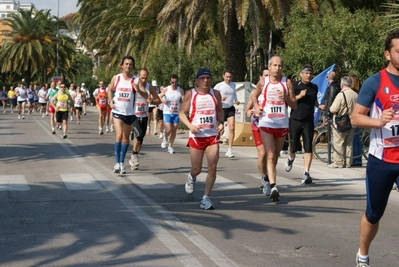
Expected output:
(227, 89)
(333, 90)
(301, 120)
(377, 98)
(343, 103)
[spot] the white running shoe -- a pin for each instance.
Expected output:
(107, 129)
(190, 184)
(361, 263)
(19, 117)
(100, 131)
(116, 168)
(43, 115)
(122, 168)
(78, 122)
(134, 162)
(160, 135)
(306, 179)
(207, 204)
(230, 153)
(71, 118)
(23, 117)
(112, 128)
(171, 150)
(163, 144)
(266, 186)
(274, 195)
(288, 164)
(59, 127)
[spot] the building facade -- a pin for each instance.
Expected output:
(8, 7)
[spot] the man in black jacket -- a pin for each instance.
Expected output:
(332, 90)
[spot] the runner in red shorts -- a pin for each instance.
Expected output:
(205, 123)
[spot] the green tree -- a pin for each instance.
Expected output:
(353, 41)
(33, 45)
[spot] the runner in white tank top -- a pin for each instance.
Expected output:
(142, 114)
(274, 125)
(206, 111)
(171, 98)
(123, 109)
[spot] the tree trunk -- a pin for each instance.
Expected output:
(235, 48)
(27, 75)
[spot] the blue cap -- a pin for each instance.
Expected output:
(203, 71)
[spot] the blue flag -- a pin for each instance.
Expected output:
(321, 82)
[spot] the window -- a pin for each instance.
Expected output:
(4, 32)
(3, 15)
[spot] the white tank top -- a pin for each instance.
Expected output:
(203, 113)
(174, 97)
(78, 100)
(142, 104)
(275, 114)
(124, 99)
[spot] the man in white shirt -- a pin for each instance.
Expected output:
(86, 92)
(227, 89)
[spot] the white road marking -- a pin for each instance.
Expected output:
(80, 181)
(221, 182)
(13, 183)
(149, 182)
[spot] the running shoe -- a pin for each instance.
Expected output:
(84, 113)
(107, 129)
(190, 184)
(53, 131)
(43, 115)
(23, 117)
(19, 117)
(274, 195)
(306, 179)
(171, 150)
(134, 162)
(361, 263)
(230, 153)
(160, 135)
(59, 127)
(122, 168)
(288, 164)
(12, 111)
(266, 186)
(71, 118)
(394, 187)
(112, 128)
(163, 144)
(64, 136)
(100, 131)
(207, 204)
(78, 122)
(116, 168)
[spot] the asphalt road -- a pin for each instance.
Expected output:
(61, 205)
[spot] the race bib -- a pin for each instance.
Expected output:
(391, 131)
(174, 108)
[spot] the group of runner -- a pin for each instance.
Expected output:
(52, 100)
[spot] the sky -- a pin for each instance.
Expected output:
(66, 6)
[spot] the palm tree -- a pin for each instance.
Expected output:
(31, 50)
